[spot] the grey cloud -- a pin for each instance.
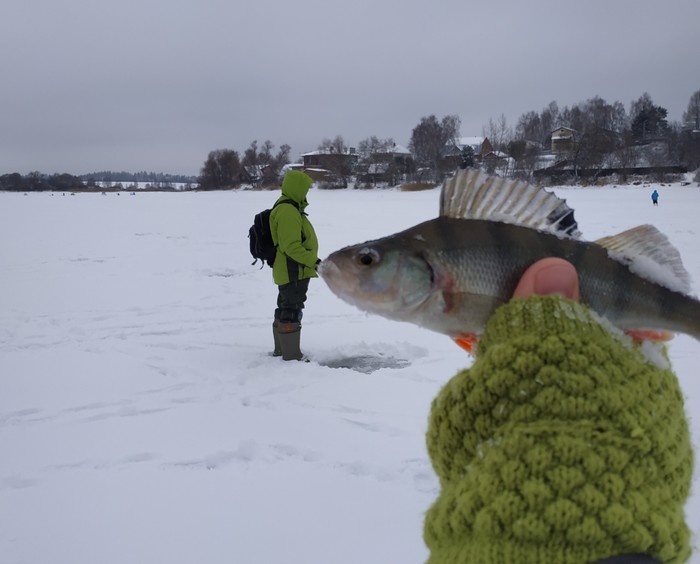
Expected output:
(96, 85)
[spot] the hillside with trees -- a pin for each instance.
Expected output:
(259, 166)
(589, 141)
(603, 139)
(95, 181)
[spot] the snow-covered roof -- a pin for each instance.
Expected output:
(326, 152)
(563, 133)
(291, 166)
(256, 169)
(399, 150)
(474, 142)
(497, 154)
(395, 149)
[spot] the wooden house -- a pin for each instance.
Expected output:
(258, 175)
(563, 140)
(390, 166)
(330, 160)
(455, 153)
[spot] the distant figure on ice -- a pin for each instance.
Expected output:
(655, 198)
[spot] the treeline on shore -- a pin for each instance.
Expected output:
(96, 182)
(593, 138)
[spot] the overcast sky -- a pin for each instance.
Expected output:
(154, 85)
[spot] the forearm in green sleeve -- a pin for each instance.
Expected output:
(562, 443)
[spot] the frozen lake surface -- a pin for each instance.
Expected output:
(143, 420)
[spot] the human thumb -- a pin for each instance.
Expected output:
(549, 276)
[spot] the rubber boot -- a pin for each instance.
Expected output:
(289, 335)
(277, 351)
(275, 328)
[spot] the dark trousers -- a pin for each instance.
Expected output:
(290, 301)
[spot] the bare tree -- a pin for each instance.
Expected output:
(551, 119)
(338, 160)
(625, 157)
(334, 146)
(250, 155)
(265, 155)
(373, 145)
(600, 129)
(281, 159)
(529, 128)
(429, 139)
(499, 133)
(691, 117)
(537, 128)
(220, 170)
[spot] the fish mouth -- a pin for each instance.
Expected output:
(327, 269)
(340, 281)
(333, 276)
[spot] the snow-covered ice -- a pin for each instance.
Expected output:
(142, 419)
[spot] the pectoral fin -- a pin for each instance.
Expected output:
(467, 341)
(649, 335)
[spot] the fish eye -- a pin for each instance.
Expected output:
(368, 257)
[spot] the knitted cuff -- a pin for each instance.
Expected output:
(538, 317)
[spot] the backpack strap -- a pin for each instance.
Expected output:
(292, 202)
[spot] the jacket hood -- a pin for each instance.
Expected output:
(296, 185)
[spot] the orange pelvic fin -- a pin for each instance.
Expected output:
(649, 335)
(467, 341)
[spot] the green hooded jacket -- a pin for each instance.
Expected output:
(292, 232)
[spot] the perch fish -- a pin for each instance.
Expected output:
(449, 274)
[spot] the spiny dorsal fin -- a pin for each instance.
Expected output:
(472, 194)
(648, 253)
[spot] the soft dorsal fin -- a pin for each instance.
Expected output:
(472, 194)
(648, 253)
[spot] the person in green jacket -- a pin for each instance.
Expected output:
(563, 443)
(295, 262)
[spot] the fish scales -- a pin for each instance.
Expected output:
(488, 258)
(450, 273)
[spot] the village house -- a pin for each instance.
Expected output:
(327, 165)
(494, 160)
(329, 160)
(563, 140)
(387, 166)
(258, 175)
(455, 152)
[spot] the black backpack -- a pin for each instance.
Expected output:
(261, 245)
